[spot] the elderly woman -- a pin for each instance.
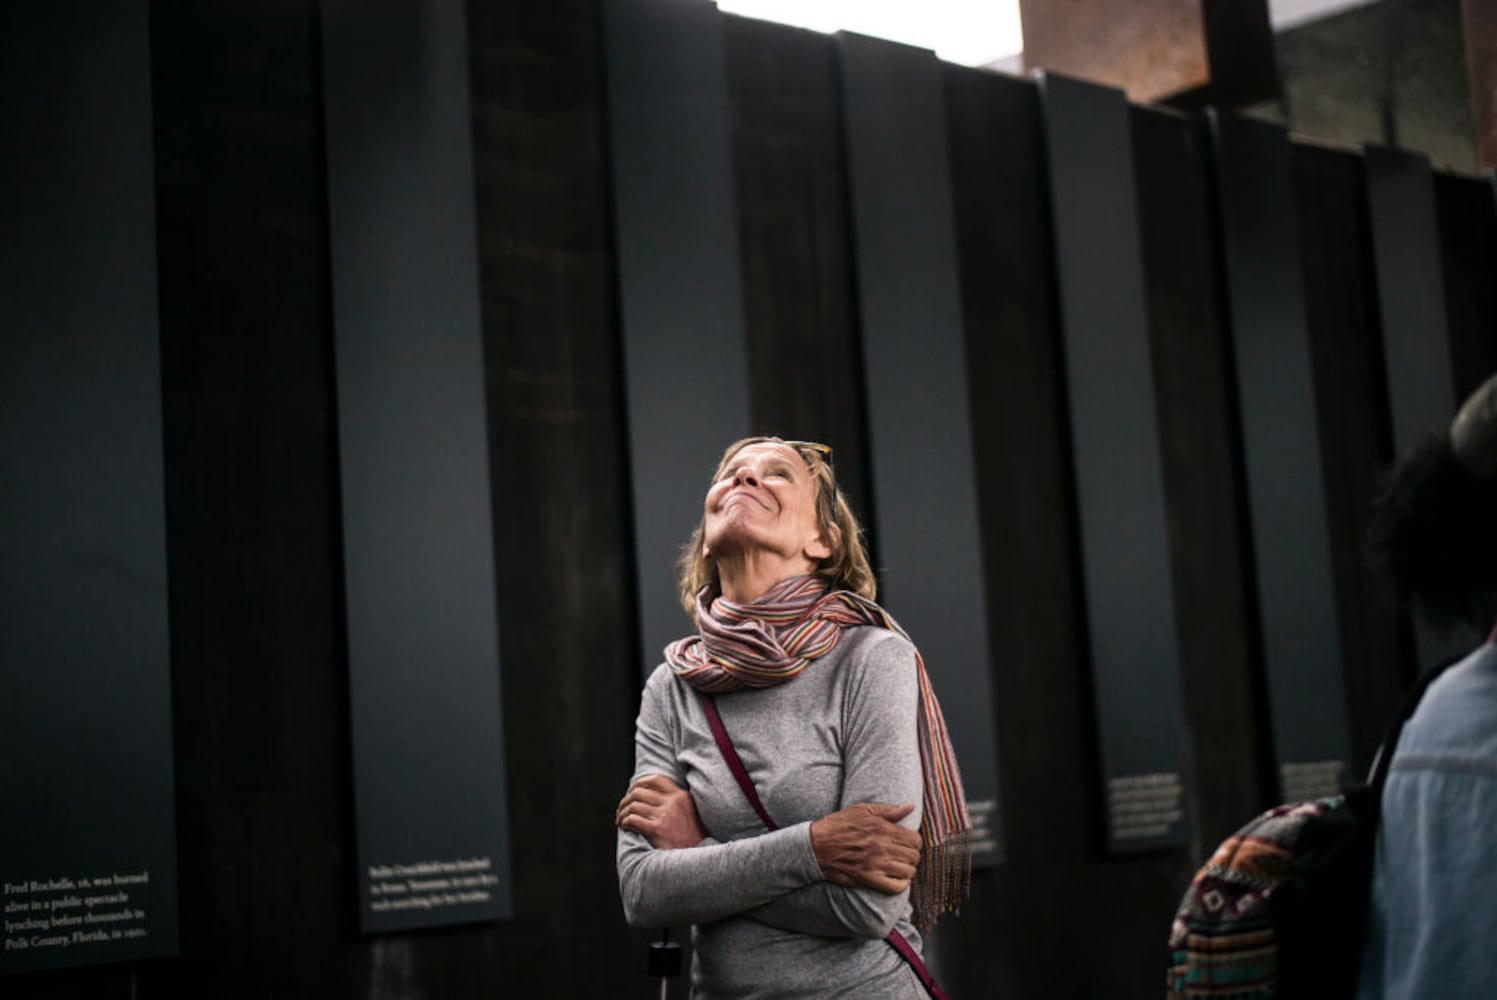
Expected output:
(859, 828)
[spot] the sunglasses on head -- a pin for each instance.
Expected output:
(826, 452)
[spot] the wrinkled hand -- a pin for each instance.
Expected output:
(662, 811)
(864, 847)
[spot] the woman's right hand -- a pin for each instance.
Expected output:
(662, 811)
(864, 847)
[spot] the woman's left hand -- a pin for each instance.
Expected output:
(662, 811)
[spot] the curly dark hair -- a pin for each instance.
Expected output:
(1433, 533)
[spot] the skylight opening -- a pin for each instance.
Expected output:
(967, 32)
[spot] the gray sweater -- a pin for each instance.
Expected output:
(767, 924)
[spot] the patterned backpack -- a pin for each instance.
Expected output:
(1279, 910)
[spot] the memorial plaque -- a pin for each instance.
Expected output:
(919, 415)
(1281, 450)
(1130, 606)
(685, 368)
(88, 866)
(428, 741)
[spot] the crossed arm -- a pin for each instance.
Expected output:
(860, 847)
(844, 874)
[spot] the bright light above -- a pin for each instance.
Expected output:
(969, 32)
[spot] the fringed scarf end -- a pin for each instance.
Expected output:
(943, 881)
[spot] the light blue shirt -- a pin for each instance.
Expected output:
(1432, 930)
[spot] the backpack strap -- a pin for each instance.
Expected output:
(1383, 759)
(895, 939)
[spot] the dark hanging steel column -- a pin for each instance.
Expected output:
(685, 368)
(1119, 478)
(88, 860)
(423, 644)
(1281, 448)
(919, 417)
(1416, 333)
(1411, 300)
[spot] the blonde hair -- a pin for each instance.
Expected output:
(846, 568)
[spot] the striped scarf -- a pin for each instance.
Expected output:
(771, 641)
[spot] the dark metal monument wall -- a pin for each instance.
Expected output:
(339, 417)
(88, 834)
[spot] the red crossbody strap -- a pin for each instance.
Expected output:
(740, 774)
(907, 953)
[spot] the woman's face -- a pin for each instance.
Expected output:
(764, 502)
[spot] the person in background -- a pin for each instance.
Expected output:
(828, 705)
(1432, 927)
